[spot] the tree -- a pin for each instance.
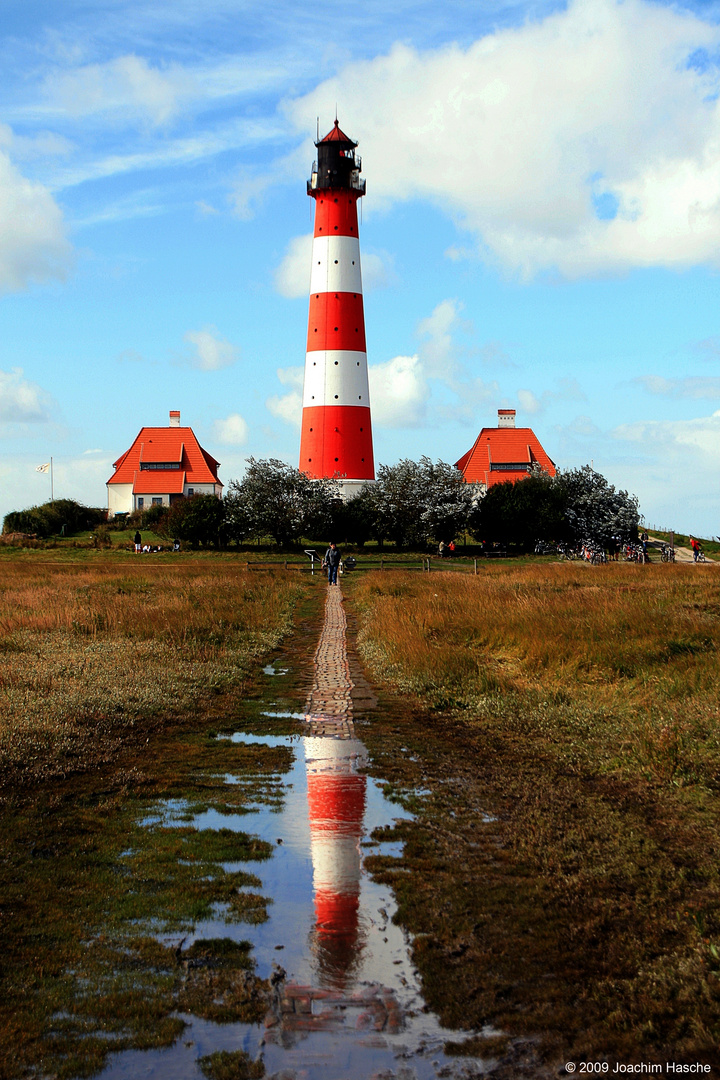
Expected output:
(419, 501)
(521, 512)
(594, 510)
(274, 499)
(574, 506)
(197, 519)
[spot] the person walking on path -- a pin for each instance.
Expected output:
(696, 549)
(332, 562)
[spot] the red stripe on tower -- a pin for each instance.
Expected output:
(336, 439)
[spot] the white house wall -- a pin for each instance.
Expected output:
(120, 499)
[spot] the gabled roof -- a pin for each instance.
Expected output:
(176, 445)
(491, 457)
(337, 135)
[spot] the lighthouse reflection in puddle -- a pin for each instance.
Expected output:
(336, 802)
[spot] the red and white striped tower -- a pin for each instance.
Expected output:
(336, 439)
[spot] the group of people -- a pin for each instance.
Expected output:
(146, 549)
(446, 551)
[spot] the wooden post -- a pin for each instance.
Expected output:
(382, 564)
(475, 561)
(286, 564)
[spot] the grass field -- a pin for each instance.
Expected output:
(562, 724)
(96, 653)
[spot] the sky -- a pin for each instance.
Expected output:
(541, 231)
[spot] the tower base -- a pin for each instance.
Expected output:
(350, 488)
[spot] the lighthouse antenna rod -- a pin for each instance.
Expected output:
(317, 125)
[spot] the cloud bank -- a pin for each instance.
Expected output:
(584, 143)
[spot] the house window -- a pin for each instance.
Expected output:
(157, 502)
(146, 465)
(191, 491)
(140, 503)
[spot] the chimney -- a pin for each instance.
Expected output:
(506, 418)
(174, 418)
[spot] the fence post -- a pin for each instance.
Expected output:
(286, 564)
(382, 564)
(475, 561)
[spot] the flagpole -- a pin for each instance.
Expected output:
(52, 485)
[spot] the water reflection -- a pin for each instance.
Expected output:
(336, 795)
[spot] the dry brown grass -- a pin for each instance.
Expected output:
(637, 645)
(99, 651)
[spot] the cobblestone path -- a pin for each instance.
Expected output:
(329, 705)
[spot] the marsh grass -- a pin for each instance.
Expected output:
(561, 877)
(95, 654)
(103, 880)
(637, 651)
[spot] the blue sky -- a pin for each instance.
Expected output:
(541, 231)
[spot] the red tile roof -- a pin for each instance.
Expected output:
(172, 444)
(489, 459)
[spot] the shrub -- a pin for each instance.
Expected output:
(63, 516)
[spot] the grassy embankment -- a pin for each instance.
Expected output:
(112, 681)
(579, 707)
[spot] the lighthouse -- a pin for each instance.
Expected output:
(336, 438)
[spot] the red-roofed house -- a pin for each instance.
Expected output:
(504, 453)
(162, 465)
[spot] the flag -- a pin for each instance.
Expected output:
(43, 468)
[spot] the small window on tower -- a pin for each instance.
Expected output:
(336, 397)
(336, 262)
(337, 459)
(336, 363)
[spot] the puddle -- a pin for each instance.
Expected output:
(347, 1002)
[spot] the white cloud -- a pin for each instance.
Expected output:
(438, 348)
(126, 86)
(212, 351)
(33, 242)
(691, 386)
(288, 407)
(672, 464)
(247, 192)
(44, 144)
(398, 392)
(292, 277)
(232, 431)
(667, 436)
(568, 390)
(584, 141)
(22, 401)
